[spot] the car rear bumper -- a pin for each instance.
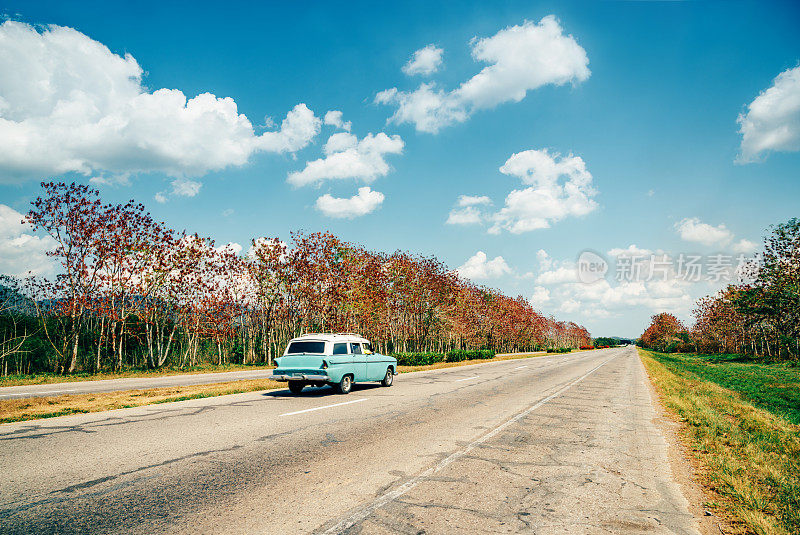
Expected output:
(300, 377)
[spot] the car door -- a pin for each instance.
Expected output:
(359, 362)
(376, 364)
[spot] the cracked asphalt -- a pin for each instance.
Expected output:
(556, 444)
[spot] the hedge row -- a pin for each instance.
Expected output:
(558, 349)
(426, 358)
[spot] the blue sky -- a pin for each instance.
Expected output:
(652, 118)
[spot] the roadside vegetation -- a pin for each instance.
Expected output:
(757, 320)
(744, 436)
(132, 293)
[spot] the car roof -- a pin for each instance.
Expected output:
(331, 337)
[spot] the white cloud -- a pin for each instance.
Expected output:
(425, 61)
(72, 105)
(559, 187)
(480, 267)
(558, 275)
(231, 247)
(520, 58)
(183, 187)
(428, 108)
(772, 120)
(744, 246)
(652, 288)
(347, 157)
(466, 211)
(692, 229)
(21, 251)
(540, 295)
(631, 250)
(545, 260)
(334, 118)
(363, 203)
(473, 200)
(464, 216)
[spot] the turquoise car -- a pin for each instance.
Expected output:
(338, 360)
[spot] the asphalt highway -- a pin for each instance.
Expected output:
(555, 444)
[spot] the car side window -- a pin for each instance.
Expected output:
(340, 349)
(368, 348)
(355, 349)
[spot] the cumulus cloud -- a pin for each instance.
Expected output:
(540, 295)
(363, 203)
(631, 250)
(772, 120)
(520, 58)
(72, 105)
(558, 275)
(692, 229)
(480, 267)
(334, 118)
(22, 253)
(466, 211)
(559, 187)
(425, 61)
(348, 157)
(744, 246)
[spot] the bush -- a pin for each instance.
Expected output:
(469, 354)
(559, 349)
(425, 358)
(418, 358)
(587, 347)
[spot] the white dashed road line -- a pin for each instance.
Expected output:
(465, 379)
(324, 407)
(520, 367)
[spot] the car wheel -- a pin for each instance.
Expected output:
(345, 385)
(388, 378)
(296, 386)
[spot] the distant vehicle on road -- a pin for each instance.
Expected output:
(338, 360)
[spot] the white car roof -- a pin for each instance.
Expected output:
(332, 337)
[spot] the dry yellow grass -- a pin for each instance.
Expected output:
(49, 378)
(750, 457)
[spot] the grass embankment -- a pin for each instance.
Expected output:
(740, 422)
(17, 410)
(48, 378)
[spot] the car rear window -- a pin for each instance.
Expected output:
(340, 349)
(306, 347)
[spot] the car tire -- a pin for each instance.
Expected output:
(345, 385)
(296, 386)
(388, 378)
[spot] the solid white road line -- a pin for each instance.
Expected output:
(390, 496)
(465, 379)
(324, 407)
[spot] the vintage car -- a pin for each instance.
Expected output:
(338, 360)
